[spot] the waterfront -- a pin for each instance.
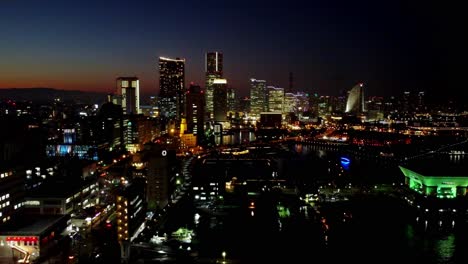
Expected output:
(364, 229)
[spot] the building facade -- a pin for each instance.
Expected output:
(355, 102)
(11, 194)
(172, 87)
(258, 97)
(220, 99)
(128, 94)
(131, 210)
(213, 70)
(195, 111)
(275, 99)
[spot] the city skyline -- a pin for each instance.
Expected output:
(328, 47)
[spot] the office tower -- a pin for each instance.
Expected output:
(302, 102)
(420, 107)
(195, 111)
(258, 97)
(160, 164)
(406, 102)
(275, 99)
(290, 103)
(128, 94)
(213, 70)
(231, 100)
(355, 103)
(172, 87)
(131, 209)
(375, 108)
(110, 127)
(219, 99)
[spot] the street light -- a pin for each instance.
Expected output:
(224, 256)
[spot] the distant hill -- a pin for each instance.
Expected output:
(48, 94)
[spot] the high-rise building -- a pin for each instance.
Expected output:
(231, 100)
(258, 97)
(213, 70)
(11, 194)
(355, 102)
(110, 126)
(214, 63)
(421, 107)
(195, 111)
(128, 94)
(160, 164)
(302, 101)
(406, 102)
(172, 87)
(219, 99)
(131, 210)
(290, 103)
(275, 99)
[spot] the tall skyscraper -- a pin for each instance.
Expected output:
(172, 87)
(231, 100)
(213, 70)
(258, 97)
(160, 165)
(219, 99)
(128, 94)
(275, 99)
(355, 103)
(195, 111)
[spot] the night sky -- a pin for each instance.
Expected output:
(329, 45)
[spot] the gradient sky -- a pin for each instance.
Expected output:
(328, 45)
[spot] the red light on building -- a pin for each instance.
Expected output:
(22, 238)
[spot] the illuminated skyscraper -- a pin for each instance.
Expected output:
(195, 111)
(213, 70)
(258, 97)
(275, 99)
(355, 103)
(219, 99)
(231, 100)
(290, 103)
(172, 87)
(128, 94)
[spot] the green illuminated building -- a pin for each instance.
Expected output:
(440, 186)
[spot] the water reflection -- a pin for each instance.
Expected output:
(238, 138)
(444, 248)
